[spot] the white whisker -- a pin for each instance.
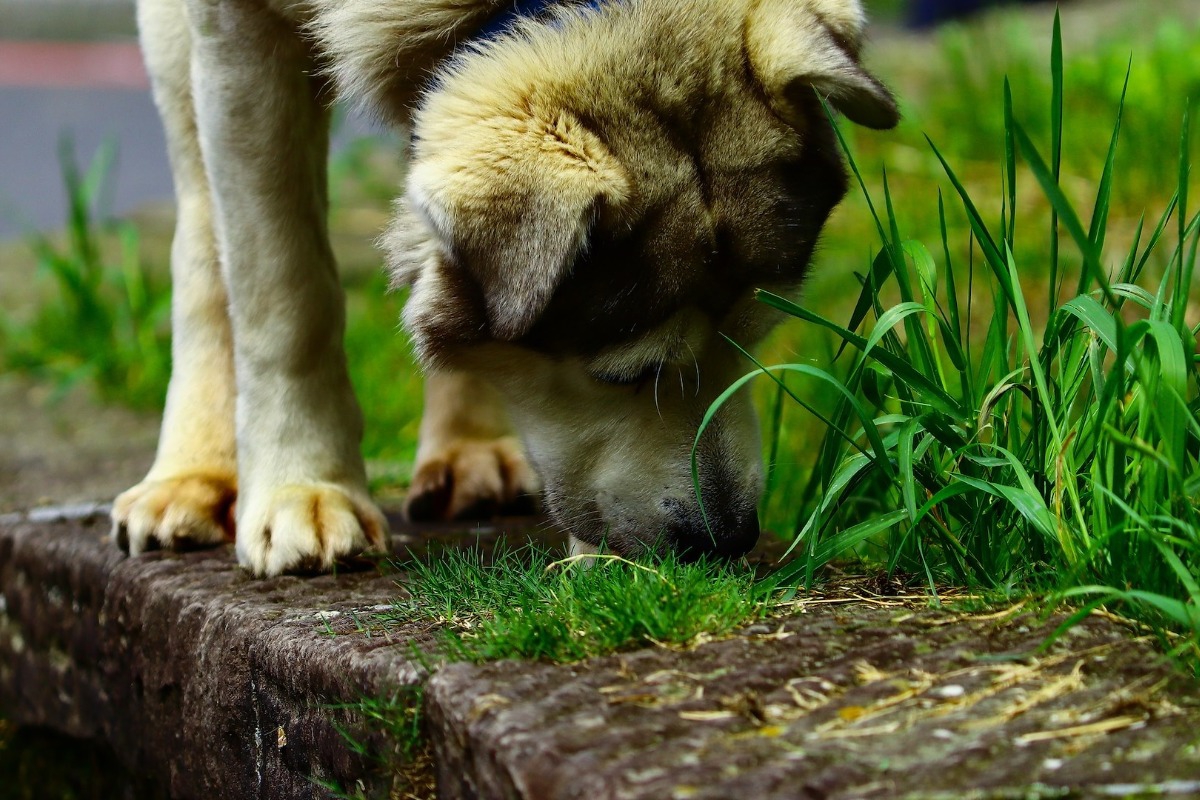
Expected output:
(695, 361)
(657, 375)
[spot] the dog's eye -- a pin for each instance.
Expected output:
(629, 379)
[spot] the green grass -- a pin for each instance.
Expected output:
(522, 603)
(106, 324)
(386, 732)
(951, 88)
(528, 603)
(1163, 60)
(1061, 454)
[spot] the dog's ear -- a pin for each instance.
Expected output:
(797, 45)
(511, 207)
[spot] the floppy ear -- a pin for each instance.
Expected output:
(516, 248)
(791, 47)
(513, 212)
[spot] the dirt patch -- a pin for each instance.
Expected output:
(68, 449)
(874, 699)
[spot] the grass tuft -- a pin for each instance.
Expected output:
(389, 733)
(521, 603)
(107, 322)
(1060, 453)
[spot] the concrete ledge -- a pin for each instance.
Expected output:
(205, 682)
(862, 700)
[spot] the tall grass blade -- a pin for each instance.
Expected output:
(1056, 131)
(987, 244)
(902, 368)
(1104, 192)
(1065, 210)
(1010, 164)
(1183, 274)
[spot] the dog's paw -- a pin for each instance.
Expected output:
(307, 528)
(180, 513)
(473, 479)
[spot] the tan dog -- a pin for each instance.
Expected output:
(591, 200)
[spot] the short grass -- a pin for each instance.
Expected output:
(530, 603)
(387, 733)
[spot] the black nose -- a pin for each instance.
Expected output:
(731, 535)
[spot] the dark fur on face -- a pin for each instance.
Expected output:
(593, 200)
(700, 244)
(658, 155)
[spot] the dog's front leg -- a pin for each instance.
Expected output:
(469, 462)
(302, 498)
(187, 497)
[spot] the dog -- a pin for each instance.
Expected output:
(594, 194)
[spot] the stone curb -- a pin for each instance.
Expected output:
(206, 683)
(843, 702)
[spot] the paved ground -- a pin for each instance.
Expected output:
(211, 684)
(88, 93)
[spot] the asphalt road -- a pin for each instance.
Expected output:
(36, 120)
(85, 94)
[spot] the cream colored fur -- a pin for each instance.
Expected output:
(383, 53)
(522, 165)
(509, 185)
(617, 459)
(260, 406)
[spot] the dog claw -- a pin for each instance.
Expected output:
(309, 528)
(473, 479)
(181, 513)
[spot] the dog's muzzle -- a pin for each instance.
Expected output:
(729, 535)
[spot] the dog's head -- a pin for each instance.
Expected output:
(591, 204)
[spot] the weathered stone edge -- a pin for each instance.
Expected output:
(203, 681)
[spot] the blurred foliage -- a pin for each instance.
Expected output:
(951, 86)
(106, 321)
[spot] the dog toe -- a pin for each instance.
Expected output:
(178, 513)
(309, 528)
(473, 479)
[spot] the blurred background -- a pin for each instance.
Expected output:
(86, 207)
(72, 68)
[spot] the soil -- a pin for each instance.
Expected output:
(854, 696)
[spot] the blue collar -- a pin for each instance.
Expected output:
(503, 21)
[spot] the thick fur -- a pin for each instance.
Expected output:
(591, 204)
(591, 201)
